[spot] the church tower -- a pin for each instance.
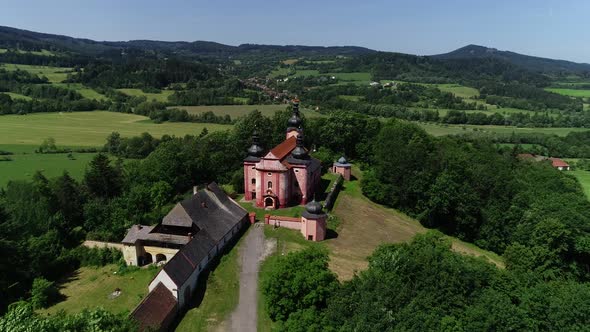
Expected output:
(294, 122)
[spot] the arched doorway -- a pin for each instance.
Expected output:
(269, 202)
(147, 259)
(160, 258)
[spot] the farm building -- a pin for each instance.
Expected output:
(555, 162)
(189, 237)
(286, 175)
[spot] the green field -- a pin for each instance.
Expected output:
(236, 111)
(344, 78)
(442, 129)
(584, 179)
(88, 128)
(459, 90)
(17, 96)
(53, 74)
(42, 52)
(90, 288)
(162, 96)
(81, 89)
(570, 92)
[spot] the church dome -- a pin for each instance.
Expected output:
(342, 160)
(314, 207)
(295, 119)
(299, 152)
(255, 149)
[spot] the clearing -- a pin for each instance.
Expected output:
(53, 74)
(89, 128)
(162, 96)
(446, 129)
(90, 287)
(584, 179)
(236, 111)
(570, 92)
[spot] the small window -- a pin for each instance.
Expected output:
(253, 181)
(269, 184)
(253, 167)
(296, 171)
(269, 173)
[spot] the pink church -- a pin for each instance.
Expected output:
(286, 175)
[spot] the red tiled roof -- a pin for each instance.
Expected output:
(556, 162)
(157, 310)
(282, 150)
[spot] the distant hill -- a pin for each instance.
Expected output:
(30, 40)
(533, 63)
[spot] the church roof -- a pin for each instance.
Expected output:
(282, 150)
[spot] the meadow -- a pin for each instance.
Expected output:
(53, 74)
(570, 92)
(162, 96)
(90, 287)
(236, 111)
(89, 128)
(444, 129)
(584, 179)
(83, 90)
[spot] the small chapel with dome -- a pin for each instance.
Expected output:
(284, 176)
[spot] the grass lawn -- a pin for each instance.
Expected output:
(459, 90)
(162, 96)
(220, 298)
(236, 111)
(54, 74)
(584, 179)
(570, 92)
(88, 128)
(81, 89)
(90, 287)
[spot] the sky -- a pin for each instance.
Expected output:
(547, 28)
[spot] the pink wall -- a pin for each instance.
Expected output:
(344, 171)
(307, 227)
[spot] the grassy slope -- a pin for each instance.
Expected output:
(584, 179)
(54, 74)
(220, 298)
(90, 288)
(570, 92)
(87, 128)
(81, 89)
(236, 111)
(162, 96)
(442, 129)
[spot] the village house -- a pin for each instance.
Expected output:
(189, 237)
(557, 163)
(286, 175)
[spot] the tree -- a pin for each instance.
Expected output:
(43, 293)
(101, 179)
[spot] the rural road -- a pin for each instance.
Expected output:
(252, 252)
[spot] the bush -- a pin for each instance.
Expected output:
(43, 293)
(96, 256)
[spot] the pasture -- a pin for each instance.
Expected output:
(53, 74)
(236, 111)
(162, 96)
(17, 96)
(89, 128)
(445, 129)
(83, 90)
(584, 179)
(459, 90)
(90, 287)
(570, 92)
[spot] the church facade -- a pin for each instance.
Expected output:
(284, 176)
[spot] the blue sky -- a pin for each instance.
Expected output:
(556, 29)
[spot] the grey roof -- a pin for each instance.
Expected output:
(181, 266)
(342, 160)
(137, 232)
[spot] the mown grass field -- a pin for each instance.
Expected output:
(90, 288)
(88, 128)
(570, 92)
(53, 74)
(459, 90)
(162, 96)
(236, 111)
(584, 179)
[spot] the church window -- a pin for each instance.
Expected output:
(269, 184)
(296, 171)
(269, 173)
(253, 181)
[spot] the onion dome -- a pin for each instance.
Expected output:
(295, 119)
(314, 207)
(299, 152)
(255, 150)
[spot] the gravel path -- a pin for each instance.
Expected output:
(252, 251)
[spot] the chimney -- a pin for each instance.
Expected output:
(195, 190)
